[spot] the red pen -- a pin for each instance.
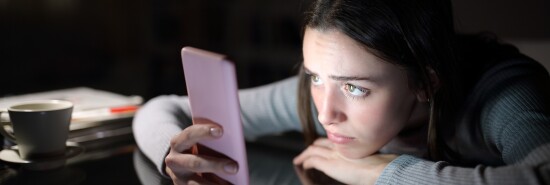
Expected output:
(123, 109)
(101, 112)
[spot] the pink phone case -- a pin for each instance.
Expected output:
(212, 89)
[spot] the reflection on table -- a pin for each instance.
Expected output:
(270, 162)
(115, 169)
(107, 158)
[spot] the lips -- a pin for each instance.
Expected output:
(339, 139)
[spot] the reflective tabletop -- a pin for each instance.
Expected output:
(269, 163)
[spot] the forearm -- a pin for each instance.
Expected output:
(270, 108)
(407, 169)
(156, 123)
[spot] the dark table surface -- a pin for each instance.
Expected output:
(123, 163)
(114, 169)
(107, 157)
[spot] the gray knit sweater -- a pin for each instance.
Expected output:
(503, 136)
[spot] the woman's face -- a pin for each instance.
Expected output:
(363, 102)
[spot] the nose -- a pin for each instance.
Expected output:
(330, 107)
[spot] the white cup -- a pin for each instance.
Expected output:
(40, 128)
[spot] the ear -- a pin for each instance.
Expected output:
(423, 95)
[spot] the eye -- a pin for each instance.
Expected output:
(355, 91)
(315, 80)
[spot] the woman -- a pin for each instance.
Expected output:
(401, 97)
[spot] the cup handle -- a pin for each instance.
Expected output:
(3, 130)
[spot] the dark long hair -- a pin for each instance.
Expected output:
(414, 35)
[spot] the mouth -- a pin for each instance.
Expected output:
(339, 139)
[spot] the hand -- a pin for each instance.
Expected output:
(322, 156)
(185, 166)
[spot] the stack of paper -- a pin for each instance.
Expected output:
(91, 106)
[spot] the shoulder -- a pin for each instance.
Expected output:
(494, 71)
(506, 109)
(513, 100)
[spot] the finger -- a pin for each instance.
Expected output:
(324, 142)
(185, 163)
(318, 146)
(338, 168)
(312, 150)
(186, 179)
(198, 180)
(191, 179)
(194, 133)
(174, 171)
(215, 179)
(314, 162)
(177, 179)
(327, 167)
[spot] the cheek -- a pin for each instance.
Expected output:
(373, 127)
(380, 121)
(372, 120)
(316, 95)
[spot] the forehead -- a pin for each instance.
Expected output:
(334, 53)
(330, 43)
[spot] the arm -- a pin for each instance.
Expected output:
(407, 169)
(515, 120)
(265, 109)
(270, 108)
(157, 122)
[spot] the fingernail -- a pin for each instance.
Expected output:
(230, 168)
(216, 132)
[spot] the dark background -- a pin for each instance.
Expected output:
(132, 47)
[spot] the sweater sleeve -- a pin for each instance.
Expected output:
(265, 110)
(156, 123)
(514, 120)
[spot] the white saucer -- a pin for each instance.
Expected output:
(11, 155)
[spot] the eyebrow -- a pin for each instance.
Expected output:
(343, 78)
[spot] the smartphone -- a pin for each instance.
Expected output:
(212, 89)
